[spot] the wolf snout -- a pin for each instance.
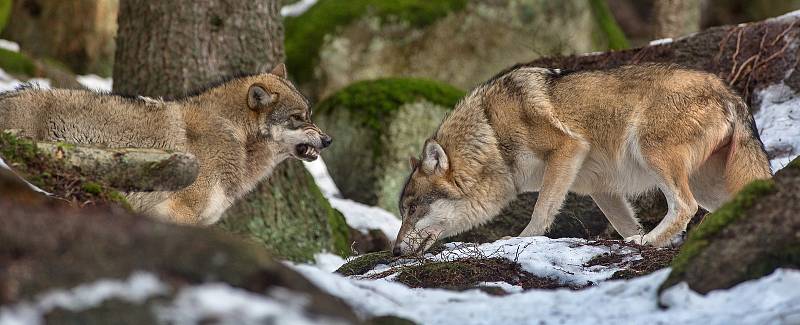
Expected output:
(326, 141)
(396, 251)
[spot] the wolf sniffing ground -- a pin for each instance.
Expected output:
(609, 134)
(239, 130)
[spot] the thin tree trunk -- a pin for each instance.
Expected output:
(674, 18)
(166, 48)
(170, 47)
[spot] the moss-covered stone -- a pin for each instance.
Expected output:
(749, 237)
(5, 12)
(289, 215)
(305, 34)
(459, 42)
(377, 125)
(363, 263)
(17, 63)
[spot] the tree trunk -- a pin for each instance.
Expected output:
(170, 47)
(78, 33)
(674, 18)
(167, 48)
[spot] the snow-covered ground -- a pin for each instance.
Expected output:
(359, 216)
(778, 122)
(774, 299)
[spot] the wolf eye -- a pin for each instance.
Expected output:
(296, 117)
(411, 210)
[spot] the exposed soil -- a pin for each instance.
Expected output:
(653, 259)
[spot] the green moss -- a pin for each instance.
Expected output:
(794, 164)
(5, 12)
(700, 237)
(372, 101)
(92, 188)
(305, 34)
(362, 264)
(608, 25)
(340, 233)
(16, 63)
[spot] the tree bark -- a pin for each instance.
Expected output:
(674, 18)
(167, 48)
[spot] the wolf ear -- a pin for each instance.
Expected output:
(413, 162)
(259, 98)
(279, 70)
(434, 159)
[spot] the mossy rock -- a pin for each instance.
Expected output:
(363, 263)
(289, 215)
(377, 125)
(747, 238)
(5, 12)
(57, 247)
(579, 218)
(460, 42)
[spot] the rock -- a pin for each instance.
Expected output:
(84, 44)
(374, 240)
(749, 237)
(136, 267)
(459, 42)
(377, 125)
(579, 218)
(289, 215)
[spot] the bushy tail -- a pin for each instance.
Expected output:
(747, 159)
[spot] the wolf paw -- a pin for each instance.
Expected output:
(636, 239)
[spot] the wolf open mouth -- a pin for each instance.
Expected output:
(306, 152)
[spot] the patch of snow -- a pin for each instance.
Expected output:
(661, 41)
(9, 45)
(137, 288)
(229, 305)
(789, 16)
(297, 8)
(778, 122)
(773, 299)
(510, 288)
(319, 171)
(8, 82)
(95, 82)
(363, 217)
(359, 216)
(328, 262)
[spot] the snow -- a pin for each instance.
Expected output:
(95, 82)
(328, 262)
(661, 41)
(9, 45)
(778, 121)
(137, 288)
(229, 305)
(359, 216)
(297, 8)
(770, 300)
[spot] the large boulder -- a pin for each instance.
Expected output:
(460, 42)
(751, 236)
(377, 125)
(60, 264)
(289, 215)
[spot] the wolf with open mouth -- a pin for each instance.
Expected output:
(238, 129)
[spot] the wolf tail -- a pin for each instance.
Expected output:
(747, 160)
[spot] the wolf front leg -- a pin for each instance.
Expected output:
(559, 173)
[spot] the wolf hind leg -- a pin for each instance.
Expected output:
(673, 176)
(619, 213)
(559, 174)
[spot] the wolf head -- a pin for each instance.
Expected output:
(284, 115)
